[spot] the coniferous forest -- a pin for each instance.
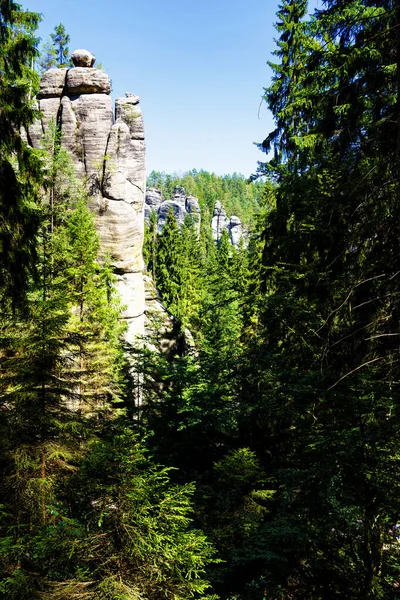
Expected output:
(263, 459)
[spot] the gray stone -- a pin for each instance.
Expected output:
(84, 80)
(120, 228)
(234, 220)
(125, 167)
(180, 196)
(147, 212)
(181, 205)
(128, 110)
(110, 157)
(219, 209)
(193, 209)
(154, 197)
(153, 201)
(49, 108)
(94, 118)
(83, 58)
(192, 205)
(72, 136)
(177, 208)
(219, 221)
(52, 83)
(35, 132)
(235, 230)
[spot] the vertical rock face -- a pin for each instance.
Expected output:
(220, 222)
(235, 230)
(108, 151)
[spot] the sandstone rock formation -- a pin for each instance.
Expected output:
(108, 151)
(181, 205)
(83, 58)
(220, 222)
(235, 230)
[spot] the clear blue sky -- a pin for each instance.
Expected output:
(198, 67)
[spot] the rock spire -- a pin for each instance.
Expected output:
(107, 146)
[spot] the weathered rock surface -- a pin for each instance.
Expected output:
(85, 80)
(170, 205)
(235, 230)
(219, 221)
(52, 83)
(193, 208)
(181, 205)
(109, 153)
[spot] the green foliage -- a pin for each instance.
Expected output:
(84, 512)
(48, 57)
(280, 427)
(20, 172)
(61, 39)
(238, 196)
(321, 398)
(55, 53)
(138, 524)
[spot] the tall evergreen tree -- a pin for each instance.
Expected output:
(61, 40)
(284, 95)
(20, 169)
(323, 388)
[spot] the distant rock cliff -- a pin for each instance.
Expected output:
(220, 222)
(108, 150)
(183, 205)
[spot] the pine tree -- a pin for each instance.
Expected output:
(321, 413)
(61, 368)
(20, 169)
(167, 268)
(284, 95)
(140, 541)
(61, 40)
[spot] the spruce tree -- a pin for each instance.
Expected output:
(321, 413)
(168, 262)
(20, 168)
(284, 95)
(61, 40)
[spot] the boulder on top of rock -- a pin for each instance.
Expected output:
(234, 221)
(52, 83)
(132, 98)
(85, 80)
(219, 209)
(83, 58)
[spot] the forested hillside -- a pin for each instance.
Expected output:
(233, 191)
(262, 460)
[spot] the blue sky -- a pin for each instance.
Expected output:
(198, 67)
